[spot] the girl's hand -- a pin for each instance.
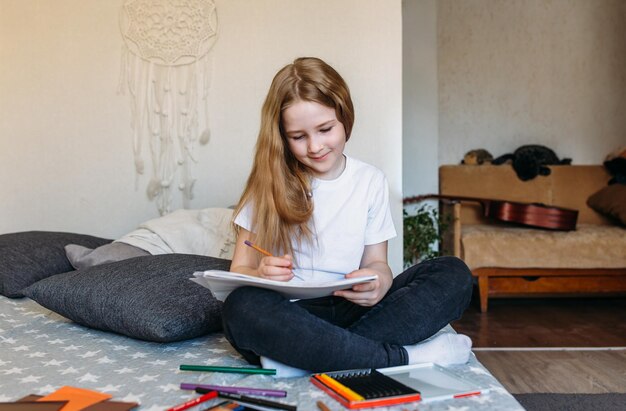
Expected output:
(246, 261)
(276, 268)
(373, 262)
(367, 294)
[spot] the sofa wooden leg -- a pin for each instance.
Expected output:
(483, 292)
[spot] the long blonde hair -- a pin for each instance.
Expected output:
(279, 186)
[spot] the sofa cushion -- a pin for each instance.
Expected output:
(27, 257)
(149, 298)
(589, 246)
(610, 201)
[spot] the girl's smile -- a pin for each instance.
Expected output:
(321, 158)
(315, 137)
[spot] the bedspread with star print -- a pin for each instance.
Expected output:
(40, 351)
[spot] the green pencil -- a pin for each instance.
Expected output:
(241, 370)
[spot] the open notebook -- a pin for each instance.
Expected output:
(221, 283)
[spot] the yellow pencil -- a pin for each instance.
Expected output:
(267, 253)
(259, 249)
(341, 389)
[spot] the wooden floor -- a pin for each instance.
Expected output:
(581, 372)
(521, 342)
(557, 322)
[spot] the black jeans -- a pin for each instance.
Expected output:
(331, 333)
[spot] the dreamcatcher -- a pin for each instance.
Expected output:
(166, 71)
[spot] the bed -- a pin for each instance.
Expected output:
(125, 327)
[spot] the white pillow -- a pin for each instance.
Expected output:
(206, 232)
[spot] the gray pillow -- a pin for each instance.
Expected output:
(30, 256)
(82, 257)
(150, 298)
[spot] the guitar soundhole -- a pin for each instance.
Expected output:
(533, 278)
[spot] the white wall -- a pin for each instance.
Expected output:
(65, 141)
(420, 99)
(532, 72)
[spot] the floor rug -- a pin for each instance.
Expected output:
(572, 402)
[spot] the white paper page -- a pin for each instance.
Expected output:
(221, 283)
(434, 382)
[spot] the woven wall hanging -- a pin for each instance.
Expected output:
(166, 70)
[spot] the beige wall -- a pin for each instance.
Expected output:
(508, 73)
(514, 72)
(65, 142)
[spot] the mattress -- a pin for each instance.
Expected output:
(40, 352)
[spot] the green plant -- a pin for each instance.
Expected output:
(423, 232)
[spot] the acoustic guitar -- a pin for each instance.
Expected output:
(529, 214)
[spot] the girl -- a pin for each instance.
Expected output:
(325, 215)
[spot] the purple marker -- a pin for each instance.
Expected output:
(236, 390)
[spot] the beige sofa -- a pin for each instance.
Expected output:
(511, 260)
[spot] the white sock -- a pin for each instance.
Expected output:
(444, 349)
(282, 370)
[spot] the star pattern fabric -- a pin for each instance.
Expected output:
(40, 351)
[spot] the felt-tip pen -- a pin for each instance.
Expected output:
(236, 390)
(208, 394)
(240, 370)
(254, 401)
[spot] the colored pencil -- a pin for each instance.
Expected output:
(254, 401)
(240, 370)
(236, 390)
(267, 253)
(207, 396)
(322, 406)
(340, 388)
(256, 247)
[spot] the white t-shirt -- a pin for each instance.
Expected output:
(349, 212)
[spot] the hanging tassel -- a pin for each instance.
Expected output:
(205, 137)
(206, 63)
(121, 83)
(153, 189)
(165, 97)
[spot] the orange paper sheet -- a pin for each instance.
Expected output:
(78, 398)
